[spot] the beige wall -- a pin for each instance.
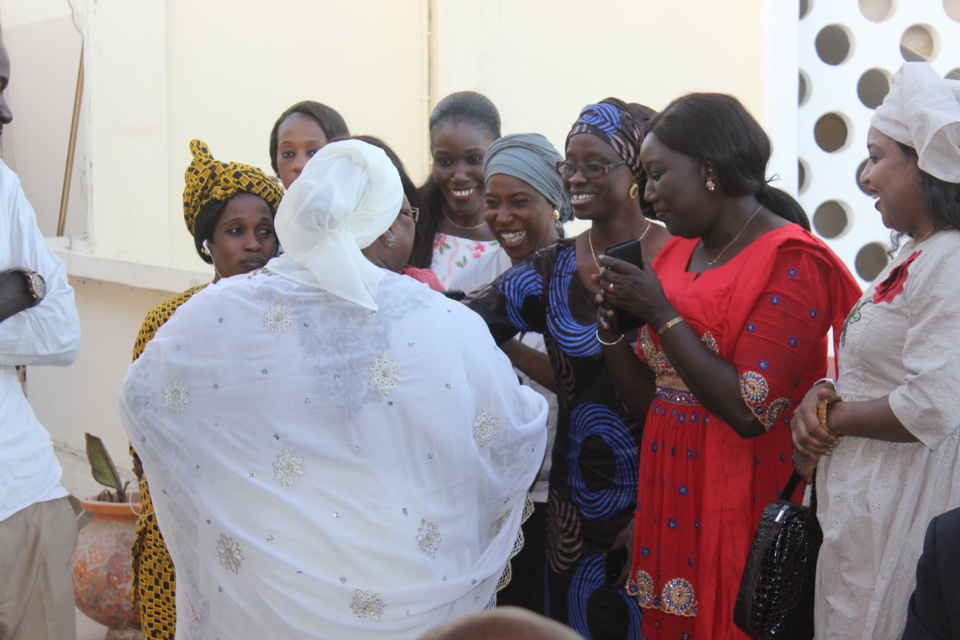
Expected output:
(160, 72)
(81, 398)
(35, 145)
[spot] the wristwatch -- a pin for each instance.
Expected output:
(36, 285)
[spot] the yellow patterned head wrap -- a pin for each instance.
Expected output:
(209, 180)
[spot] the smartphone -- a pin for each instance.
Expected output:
(455, 294)
(614, 562)
(629, 251)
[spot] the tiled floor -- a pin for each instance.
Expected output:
(87, 629)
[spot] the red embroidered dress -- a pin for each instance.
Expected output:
(702, 487)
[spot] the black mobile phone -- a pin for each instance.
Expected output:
(455, 294)
(614, 562)
(629, 251)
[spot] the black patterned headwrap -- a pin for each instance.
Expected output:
(613, 123)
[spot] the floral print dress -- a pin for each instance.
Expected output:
(452, 253)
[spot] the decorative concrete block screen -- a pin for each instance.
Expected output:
(849, 51)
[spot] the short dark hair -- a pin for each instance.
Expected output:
(717, 128)
(940, 198)
(332, 123)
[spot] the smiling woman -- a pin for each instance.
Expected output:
(738, 306)
(228, 209)
(453, 231)
(526, 206)
(593, 476)
(898, 378)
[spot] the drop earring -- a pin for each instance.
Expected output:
(711, 185)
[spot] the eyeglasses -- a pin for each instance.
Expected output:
(589, 171)
(413, 213)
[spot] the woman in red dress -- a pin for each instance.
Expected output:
(738, 306)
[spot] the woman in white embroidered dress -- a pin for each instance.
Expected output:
(338, 475)
(891, 450)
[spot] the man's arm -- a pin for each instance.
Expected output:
(48, 333)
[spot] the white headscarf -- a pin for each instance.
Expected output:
(348, 194)
(922, 111)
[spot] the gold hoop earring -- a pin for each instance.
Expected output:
(634, 191)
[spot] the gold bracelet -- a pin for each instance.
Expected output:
(668, 324)
(822, 414)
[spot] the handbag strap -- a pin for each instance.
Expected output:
(792, 483)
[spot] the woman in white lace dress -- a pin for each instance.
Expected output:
(888, 456)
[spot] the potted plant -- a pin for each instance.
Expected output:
(102, 564)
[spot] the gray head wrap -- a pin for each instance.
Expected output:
(530, 157)
(922, 110)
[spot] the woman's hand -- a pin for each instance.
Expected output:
(625, 539)
(637, 291)
(809, 438)
(805, 465)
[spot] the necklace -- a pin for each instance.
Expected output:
(926, 235)
(710, 262)
(444, 212)
(649, 224)
(593, 253)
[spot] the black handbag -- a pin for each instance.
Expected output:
(775, 600)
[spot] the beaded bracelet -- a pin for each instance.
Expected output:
(822, 414)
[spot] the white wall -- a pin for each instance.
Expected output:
(160, 72)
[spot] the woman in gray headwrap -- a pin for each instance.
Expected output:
(891, 450)
(525, 209)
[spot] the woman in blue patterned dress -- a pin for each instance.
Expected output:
(593, 478)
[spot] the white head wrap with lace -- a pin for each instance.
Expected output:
(348, 194)
(922, 110)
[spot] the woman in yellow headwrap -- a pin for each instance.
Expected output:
(228, 208)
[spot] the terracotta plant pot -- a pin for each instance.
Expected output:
(102, 571)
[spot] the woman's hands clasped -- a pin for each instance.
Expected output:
(810, 440)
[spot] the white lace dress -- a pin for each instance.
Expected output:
(876, 498)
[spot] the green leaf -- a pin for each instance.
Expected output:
(101, 464)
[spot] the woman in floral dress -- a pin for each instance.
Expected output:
(453, 231)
